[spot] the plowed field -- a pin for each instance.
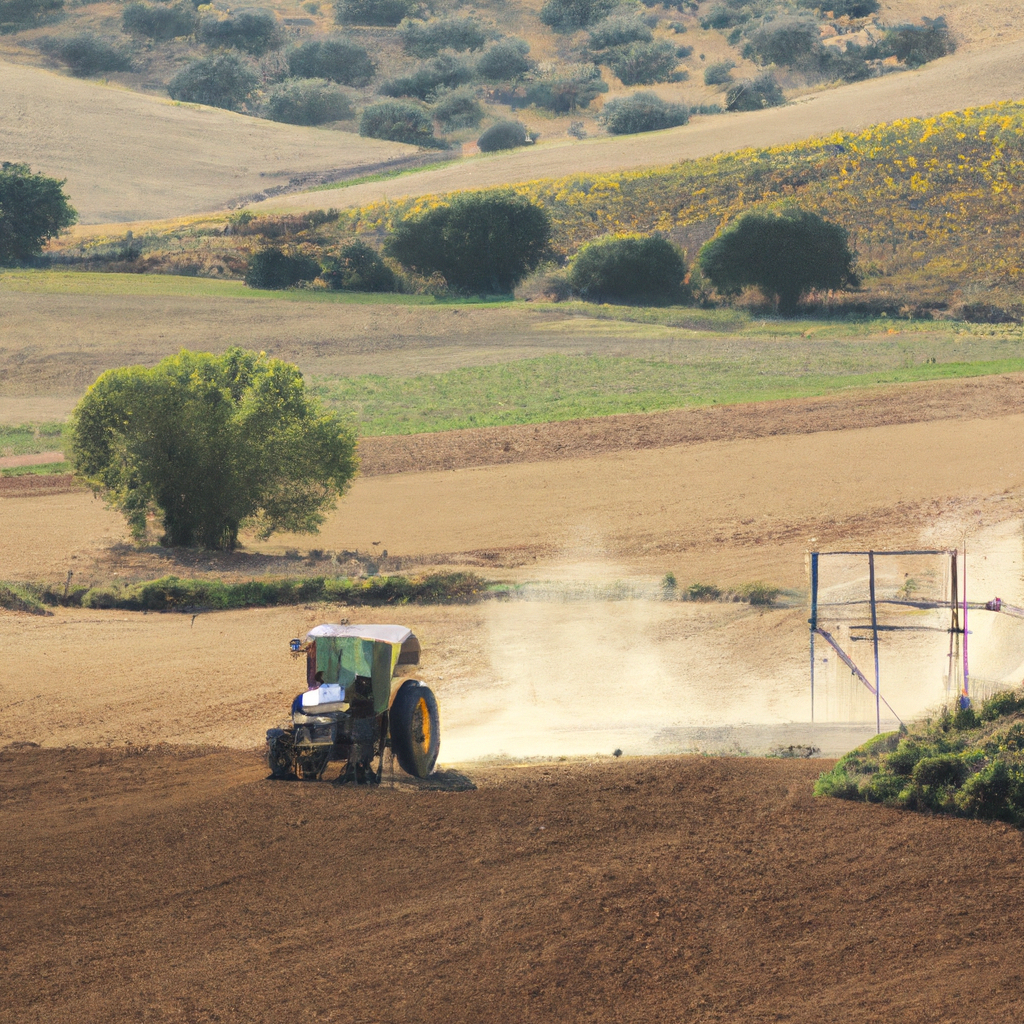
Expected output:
(180, 885)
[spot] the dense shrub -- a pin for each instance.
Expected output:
(784, 41)
(721, 17)
(483, 242)
(33, 209)
(755, 94)
(630, 268)
(372, 12)
(335, 58)
(159, 21)
(644, 63)
(271, 268)
(428, 38)
(785, 255)
(86, 53)
(308, 101)
(1001, 704)
(18, 15)
(457, 108)
(224, 80)
(254, 31)
(505, 60)
(358, 268)
(445, 71)
(574, 86)
(398, 122)
(719, 73)
(570, 15)
(618, 30)
(503, 135)
(846, 8)
(642, 112)
(917, 44)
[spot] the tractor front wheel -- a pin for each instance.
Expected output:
(415, 728)
(280, 754)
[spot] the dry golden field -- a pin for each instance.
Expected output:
(128, 156)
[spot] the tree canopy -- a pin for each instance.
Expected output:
(785, 255)
(33, 209)
(479, 242)
(212, 444)
(631, 268)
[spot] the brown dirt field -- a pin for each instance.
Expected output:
(38, 459)
(179, 885)
(968, 78)
(131, 157)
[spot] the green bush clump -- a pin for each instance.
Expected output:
(17, 598)
(571, 15)
(33, 209)
(719, 73)
(703, 592)
(629, 268)
(915, 45)
(19, 15)
(159, 22)
(86, 53)
(398, 122)
(457, 108)
(254, 31)
(503, 135)
(445, 71)
(975, 770)
(645, 63)
(642, 112)
(569, 89)
(308, 101)
(846, 8)
(618, 30)
(505, 60)
(224, 80)
(428, 38)
(755, 94)
(271, 268)
(483, 242)
(372, 12)
(721, 17)
(784, 41)
(335, 58)
(358, 268)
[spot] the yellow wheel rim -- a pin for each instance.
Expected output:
(421, 727)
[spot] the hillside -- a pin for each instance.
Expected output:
(128, 156)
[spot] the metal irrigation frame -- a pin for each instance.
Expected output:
(955, 628)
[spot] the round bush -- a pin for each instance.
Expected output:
(619, 30)
(644, 63)
(574, 87)
(630, 268)
(719, 73)
(358, 268)
(159, 22)
(503, 135)
(757, 94)
(428, 38)
(446, 70)
(372, 12)
(571, 15)
(86, 53)
(337, 59)
(18, 15)
(271, 268)
(308, 101)
(397, 122)
(784, 41)
(505, 61)
(224, 80)
(254, 31)
(643, 112)
(457, 109)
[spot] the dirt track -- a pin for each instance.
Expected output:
(180, 886)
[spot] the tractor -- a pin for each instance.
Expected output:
(352, 711)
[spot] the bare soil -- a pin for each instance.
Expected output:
(172, 884)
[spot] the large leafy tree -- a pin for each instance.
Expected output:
(212, 444)
(784, 254)
(33, 209)
(483, 242)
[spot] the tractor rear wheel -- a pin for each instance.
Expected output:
(279, 754)
(415, 728)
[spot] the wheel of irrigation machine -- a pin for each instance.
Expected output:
(279, 755)
(311, 764)
(415, 728)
